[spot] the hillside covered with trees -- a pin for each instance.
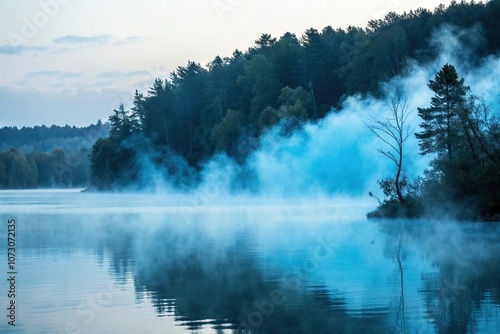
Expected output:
(46, 157)
(225, 106)
(45, 139)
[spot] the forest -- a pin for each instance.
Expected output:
(461, 132)
(228, 104)
(225, 106)
(47, 157)
(45, 139)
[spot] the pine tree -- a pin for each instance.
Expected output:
(138, 113)
(121, 123)
(440, 128)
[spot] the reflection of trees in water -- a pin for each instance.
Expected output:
(457, 294)
(467, 260)
(401, 318)
(447, 304)
(118, 241)
(202, 282)
(206, 279)
(395, 249)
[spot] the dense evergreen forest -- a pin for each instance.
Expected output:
(223, 107)
(44, 157)
(45, 139)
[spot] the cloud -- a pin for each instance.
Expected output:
(21, 49)
(54, 74)
(43, 74)
(68, 43)
(130, 40)
(71, 74)
(123, 75)
(77, 39)
(98, 40)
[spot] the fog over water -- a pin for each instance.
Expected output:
(131, 262)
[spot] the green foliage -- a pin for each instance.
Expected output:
(46, 177)
(113, 160)
(411, 190)
(440, 126)
(287, 59)
(42, 170)
(295, 107)
(461, 134)
(203, 110)
(468, 173)
(262, 90)
(45, 139)
(226, 134)
(265, 41)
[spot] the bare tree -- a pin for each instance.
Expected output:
(393, 131)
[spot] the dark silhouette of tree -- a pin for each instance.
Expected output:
(188, 85)
(265, 41)
(160, 115)
(184, 119)
(287, 55)
(393, 131)
(138, 115)
(58, 168)
(439, 125)
(114, 159)
(226, 134)
(45, 139)
(122, 123)
(295, 107)
(261, 84)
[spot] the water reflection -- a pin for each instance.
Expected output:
(462, 295)
(229, 290)
(231, 287)
(283, 270)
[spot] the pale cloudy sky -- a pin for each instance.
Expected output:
(73, 61)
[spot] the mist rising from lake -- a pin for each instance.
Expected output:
(295, 254)
(128, 262)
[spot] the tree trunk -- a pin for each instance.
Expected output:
(469, 141)
(398, 175)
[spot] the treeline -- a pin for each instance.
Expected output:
(45, 139)
(461, 133)
(44, 170)
(47, 157)
(225, 106)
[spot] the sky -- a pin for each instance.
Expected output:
(73, 62)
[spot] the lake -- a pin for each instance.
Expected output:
(129, 263)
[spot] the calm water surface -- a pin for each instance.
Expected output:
(96, 263)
